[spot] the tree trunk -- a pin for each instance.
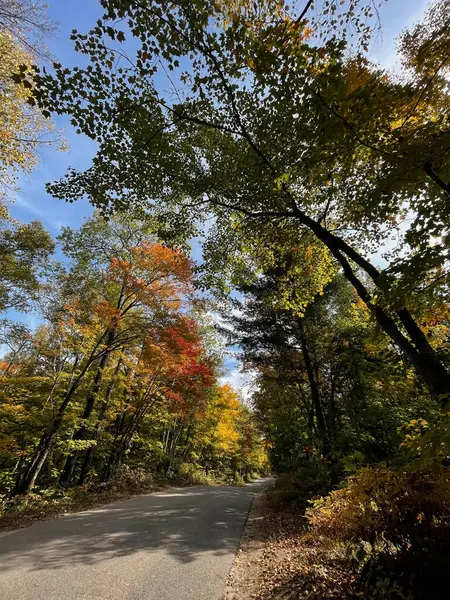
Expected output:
(420, 354)
(417, 350)
(91, 450)
(27, 479)
(427, 360)
(315, 392)
(125, 435)
(66, 477)
(428, 169)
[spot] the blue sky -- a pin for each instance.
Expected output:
(34, 203)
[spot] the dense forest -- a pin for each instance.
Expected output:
(123, 369)
(318, 185)
(121, 377)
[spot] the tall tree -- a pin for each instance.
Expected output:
(135, 284)
(327, 383)
(25, 250)
(273, 119)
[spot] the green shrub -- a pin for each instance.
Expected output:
(312, 480)
(239, 480)
(131, 479)
(190, 474)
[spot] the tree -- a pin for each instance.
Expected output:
(173, 371)
(226, 435)
(15, 337)
(28, 23)
(24, 129)
(328, 386)
(272, 122)
(130, 288)
(148, 278)
(25, 250)
(122, 374)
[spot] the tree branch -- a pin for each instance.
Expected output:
(304, 11)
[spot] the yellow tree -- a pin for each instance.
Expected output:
(218, 435)
(24, 129)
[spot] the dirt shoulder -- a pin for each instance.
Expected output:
(279, 560)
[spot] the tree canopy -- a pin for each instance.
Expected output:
(274, 119)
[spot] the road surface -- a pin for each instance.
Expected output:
(172, 545)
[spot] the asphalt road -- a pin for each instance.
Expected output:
(172, 545)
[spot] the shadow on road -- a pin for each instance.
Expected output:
(182, 522)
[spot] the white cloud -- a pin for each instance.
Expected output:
(25, 204)
(243, 383)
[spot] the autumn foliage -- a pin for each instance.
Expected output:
(118, 374)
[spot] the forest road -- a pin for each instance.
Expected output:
(173, 545)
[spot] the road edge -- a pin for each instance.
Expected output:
(242, 580)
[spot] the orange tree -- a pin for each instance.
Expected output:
(172, 374)
(136, 287)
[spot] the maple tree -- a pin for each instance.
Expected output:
(148, 277)
(119, 364)
(227, 435)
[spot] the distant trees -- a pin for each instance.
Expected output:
(118, 371)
